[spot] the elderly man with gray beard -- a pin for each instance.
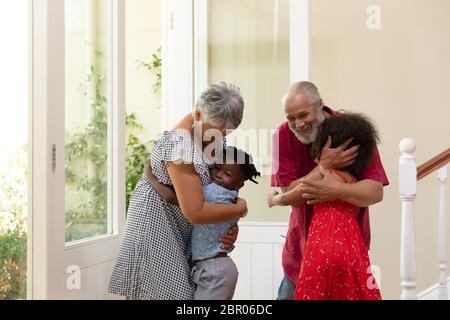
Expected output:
(292, 160)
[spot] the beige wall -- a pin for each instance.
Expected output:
(143, 32)
(399, 76)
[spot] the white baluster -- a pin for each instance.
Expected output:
(442, 176)
(407, 190)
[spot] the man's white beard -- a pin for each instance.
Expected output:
(310, 137)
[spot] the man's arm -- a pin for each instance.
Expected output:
(362, 194)
(331, 158)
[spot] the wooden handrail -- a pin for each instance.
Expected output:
(433, 164)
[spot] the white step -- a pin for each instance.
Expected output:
(434, 293)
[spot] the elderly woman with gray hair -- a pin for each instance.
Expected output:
(154, 259)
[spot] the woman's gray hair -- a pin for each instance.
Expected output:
(221, 105)
(309, 88)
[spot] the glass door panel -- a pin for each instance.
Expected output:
(87, 119)
(248, 44)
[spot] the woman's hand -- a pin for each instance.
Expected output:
(270, 199)
(230, 238)
(337, 158)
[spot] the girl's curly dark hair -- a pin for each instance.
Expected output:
(344, 126)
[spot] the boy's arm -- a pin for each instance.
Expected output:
(164, 191)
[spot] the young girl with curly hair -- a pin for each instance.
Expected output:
(336, 263)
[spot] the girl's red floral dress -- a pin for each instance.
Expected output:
(336, 263)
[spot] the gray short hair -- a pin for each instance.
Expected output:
(309, 88)
(221, 105)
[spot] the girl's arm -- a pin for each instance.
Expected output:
(313, 176)
(189, 191)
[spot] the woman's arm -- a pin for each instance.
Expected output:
(186, 122)
(191, 200)
(169, 195)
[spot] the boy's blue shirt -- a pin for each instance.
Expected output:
(205, 237)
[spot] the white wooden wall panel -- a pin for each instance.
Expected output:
(242, 257)
(262, 271)
(258, 259)
(278, 272)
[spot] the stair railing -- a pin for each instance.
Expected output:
(409, 174)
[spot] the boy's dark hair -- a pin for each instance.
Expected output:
(244, 160)
(341, 128)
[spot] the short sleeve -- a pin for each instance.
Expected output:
(375, 170)
(177, 148)
(283, 173)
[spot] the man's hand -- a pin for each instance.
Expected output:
(230, 238)
(338, 158)
(325, 190)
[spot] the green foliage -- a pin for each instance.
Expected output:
(86, 167)
(13, 265)
(155, 66)
(137, 155)
(13, 237)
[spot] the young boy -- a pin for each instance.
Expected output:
(214, 272)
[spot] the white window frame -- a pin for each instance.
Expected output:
(182, 32)
(300, 42)
(300, 39)
(177, 88)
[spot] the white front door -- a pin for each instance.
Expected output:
(78, 165)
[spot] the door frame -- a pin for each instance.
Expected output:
(300, 42)
(184, 26)
(48, 254)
